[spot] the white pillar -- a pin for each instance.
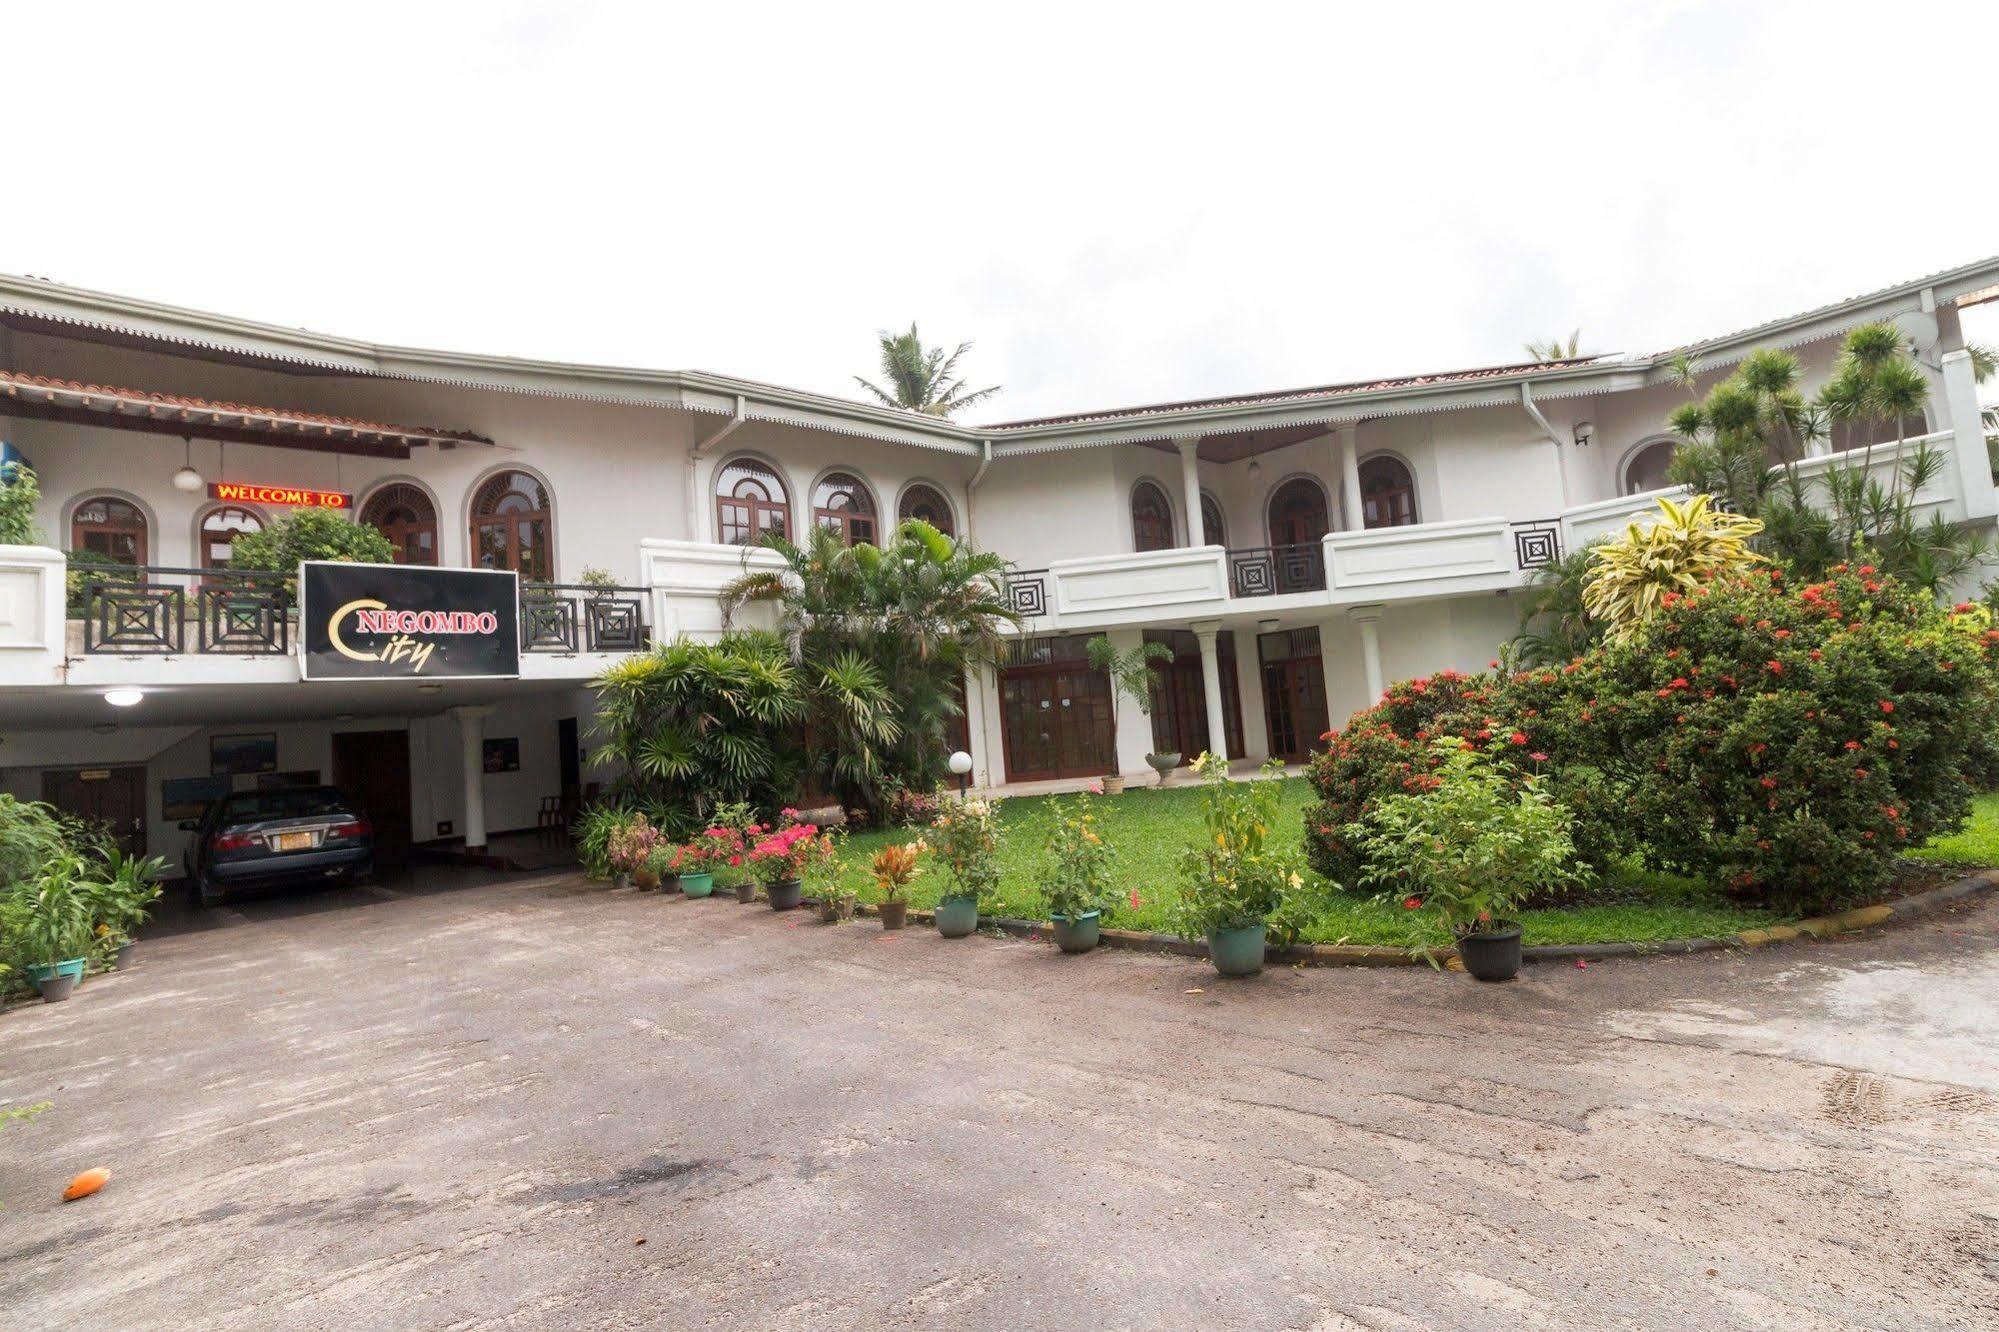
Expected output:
(1249, 692)
(1369, 620)
(1211, 686)
(1349, 477)
(472, 734)
(1134, 724)
(1960, 413)
(1190, 482)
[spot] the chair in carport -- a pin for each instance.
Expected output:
(552, 820)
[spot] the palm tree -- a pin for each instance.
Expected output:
(1554, 349)
(883, 637)
(922, 379)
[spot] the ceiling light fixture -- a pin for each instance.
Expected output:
(124, 698)
(187, 478)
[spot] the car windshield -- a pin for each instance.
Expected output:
(293, 803)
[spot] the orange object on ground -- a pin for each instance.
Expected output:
(85, 1184)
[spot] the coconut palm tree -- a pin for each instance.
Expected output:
(1554, 349)
(922, 379)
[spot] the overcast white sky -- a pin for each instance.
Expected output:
(1118, 204)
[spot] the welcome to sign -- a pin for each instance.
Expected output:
(296, 496)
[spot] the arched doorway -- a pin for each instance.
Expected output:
(219, 529)
(1299, 519)
(750, 503)
(842, 503)
(1387, 493)
(925, 503)
(110, 530)
(1151, 518)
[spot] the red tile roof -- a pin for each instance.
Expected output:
(1442, 377)
(158, 406)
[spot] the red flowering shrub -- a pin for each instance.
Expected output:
(1785, 743)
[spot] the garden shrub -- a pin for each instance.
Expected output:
(1785, 743)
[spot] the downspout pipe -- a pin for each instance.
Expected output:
(1561, 451)
(972, 486)
(700, 451)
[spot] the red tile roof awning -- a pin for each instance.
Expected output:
(44, 398)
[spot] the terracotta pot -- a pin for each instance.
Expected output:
(746, 891)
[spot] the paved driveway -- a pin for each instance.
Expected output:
(470, 1107)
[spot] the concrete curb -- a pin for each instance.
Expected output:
(1374, 955)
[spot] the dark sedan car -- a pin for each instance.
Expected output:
(280, 838)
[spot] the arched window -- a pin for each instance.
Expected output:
(1387, 493)
(750, 504)
(1298, 514)
(112, 529)
(219, 530)
(842, 503)
(404, 514)
(1151, 518)
(510, 526)
(1646, 469)
(927, 504)
(1214, 532)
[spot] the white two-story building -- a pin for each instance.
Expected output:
(1295, 549)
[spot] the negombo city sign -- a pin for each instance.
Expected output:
(398, 621)
(293, 495)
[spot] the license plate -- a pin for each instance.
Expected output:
(298, 841)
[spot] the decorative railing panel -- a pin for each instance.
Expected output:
(1027, 592)
(1266, 571)
(1537, 542)
(576, 617)
(130, 611)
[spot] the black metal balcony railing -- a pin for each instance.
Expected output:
(1537, 542)
(1268, 571)
(1027, 591)
(147, 611)
(574, 617)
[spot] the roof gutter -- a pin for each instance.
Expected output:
(700, 451)
(972, 487)
(1561, 453)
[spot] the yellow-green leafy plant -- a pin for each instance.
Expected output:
(1690, 546)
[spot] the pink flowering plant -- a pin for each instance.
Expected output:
(793, 851)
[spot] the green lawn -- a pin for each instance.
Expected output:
(1151, 827)
(1978, 844)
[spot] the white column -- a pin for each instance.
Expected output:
(472, 734)
(1960, 413)
(1190, 482)
(1369, 620)
(1211, 686)
(1349, 477)
(1249, 692)
(1134, 724)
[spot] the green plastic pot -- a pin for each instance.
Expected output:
(697, 885)
(957, 916)
(1077, 934)
(1237, 952)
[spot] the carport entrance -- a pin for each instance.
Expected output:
(372, 770)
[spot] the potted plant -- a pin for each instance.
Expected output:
(965, 834)
(835, 904)
(1164, 764)
(1079, 879)
(1130, 674)
(629, 850)
(728, 833)
(895, 867)
(47, 917)
(1236, 882)
(121, 901)
(779, 860)
(1467, 852)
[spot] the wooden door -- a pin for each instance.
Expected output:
(372, 771)
(1057, 721)
(113, 796)
(1294, 694)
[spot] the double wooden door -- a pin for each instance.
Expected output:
(115, 797)
(1294, 697)
(1057, 720)
(372, 771)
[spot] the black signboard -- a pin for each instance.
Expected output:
(405, 621)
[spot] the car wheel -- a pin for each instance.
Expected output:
(210, 897)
